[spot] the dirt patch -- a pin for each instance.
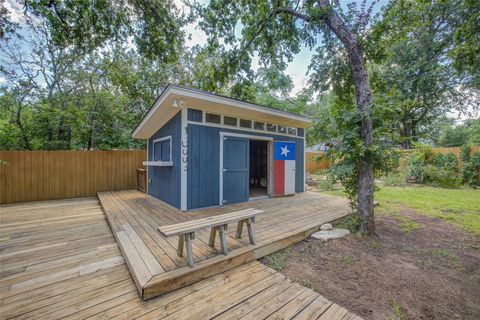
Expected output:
(432, 272)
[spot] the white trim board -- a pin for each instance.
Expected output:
(184, 159)
(153, 148)
(222, 126)
(158, 163)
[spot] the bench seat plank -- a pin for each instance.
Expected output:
(213, 221)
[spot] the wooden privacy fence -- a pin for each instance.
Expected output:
(47, 175)
(313, 163)
(455, 150)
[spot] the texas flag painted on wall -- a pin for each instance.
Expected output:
(284, 168)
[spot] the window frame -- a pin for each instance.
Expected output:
(262, 124)
(272, 125)
(215, 114)
(240, 123)
(231, 117)
(159, 140)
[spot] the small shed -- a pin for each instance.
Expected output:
(208, 150)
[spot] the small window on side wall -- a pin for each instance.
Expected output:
(246, 123)
(230, 121)
(282, 129)
(162, 149)
(212, 118)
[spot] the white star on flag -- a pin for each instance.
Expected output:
(285, 151)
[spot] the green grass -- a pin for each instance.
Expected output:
(459, 206)
(277, 259)
(397, 311)
(308, 284)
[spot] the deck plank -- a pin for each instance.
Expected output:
(284, 222)
(75, 269)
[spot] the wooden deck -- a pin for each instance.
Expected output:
(59, 259)
(153, 260)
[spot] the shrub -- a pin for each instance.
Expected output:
(350, 222)
(448, 162)
(471, 171)
(325, 184)
(418, 160)
(442, 177)
(416, 168)
(465, 154)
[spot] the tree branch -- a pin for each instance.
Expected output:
(294, 13)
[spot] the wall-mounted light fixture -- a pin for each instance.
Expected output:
(177, 102)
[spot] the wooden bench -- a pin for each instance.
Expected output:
(186, 230)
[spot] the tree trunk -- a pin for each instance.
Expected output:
(406, 135)
(363, 97)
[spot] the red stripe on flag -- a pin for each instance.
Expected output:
(278, 177)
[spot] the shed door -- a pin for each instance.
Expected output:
(235, 169)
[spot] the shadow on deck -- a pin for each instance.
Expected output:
(153, 261)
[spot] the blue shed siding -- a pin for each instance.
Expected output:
(165, 181)
(204, 163)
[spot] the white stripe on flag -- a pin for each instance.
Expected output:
(289, 176)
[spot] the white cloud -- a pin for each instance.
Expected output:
(15, 11)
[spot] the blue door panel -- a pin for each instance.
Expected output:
(235, 169)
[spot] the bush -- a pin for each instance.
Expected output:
(465, 154)
(448, 162)
(418, 160)
(325, 184)
(350, 222)
(471, 171)
(442, 177)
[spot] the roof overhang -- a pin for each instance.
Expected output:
(164, 109)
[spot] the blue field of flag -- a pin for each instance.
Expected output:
(284, 151)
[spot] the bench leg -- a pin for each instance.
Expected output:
(211, 241)
(188, 242)
(181, 240)
(240, 228)
(251, 235)
(223, 240)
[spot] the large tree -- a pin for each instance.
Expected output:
(425, 63)
(275, 31)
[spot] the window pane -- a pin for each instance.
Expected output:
(230, 121)
(292, 131)
(259, 125)
(300, 132)
(282, 129)
(245, 123)
(195, 115)
(212, 118)
(161, 150)
(271, 127)
(157, 151)
(165, 150)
